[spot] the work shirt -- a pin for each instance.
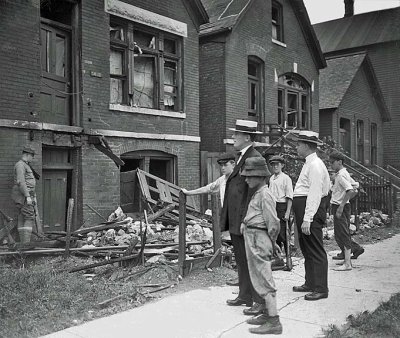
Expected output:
(242, 152)
(281, 187)
(218, 186)
(343, 183)
(23, 177)
(314, 183)
(261, 212)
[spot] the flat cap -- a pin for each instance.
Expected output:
(276, 158)
(28, 150)
(226, 157)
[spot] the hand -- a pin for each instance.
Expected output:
(242, 228)
(305, 228)
(339, 211)
(287, 216)
(184, 191)
(29, 200)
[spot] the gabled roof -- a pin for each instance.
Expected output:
(359, 30)
(225, 14)
(336, 78)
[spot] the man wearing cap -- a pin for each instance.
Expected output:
(281, 187)
(236, 200)
(23, 194)
(260, 229)
(227, 163)
(309, 205)
(342, 191)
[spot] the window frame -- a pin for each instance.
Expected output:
(278, 23)
(374, 143)
(256, 80)
(160, 57)
(360, 132)
(283, 110)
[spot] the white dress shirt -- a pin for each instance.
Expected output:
(314, 183)
(242, 153)
(343, 183)
(281, 187)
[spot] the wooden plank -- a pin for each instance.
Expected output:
(216, 206)
(165, 194)
(203, 179)
(182, 233)
(161, 212)
(8, 227)
(69, 222)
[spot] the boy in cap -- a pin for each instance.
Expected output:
(342, 191)
(260, 229)
(24, 195)
(227, 163)
(281, 187)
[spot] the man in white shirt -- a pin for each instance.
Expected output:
(310, 199)
(281, 187)
(227, 163)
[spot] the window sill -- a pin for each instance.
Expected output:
(147, 111)
(279, 43)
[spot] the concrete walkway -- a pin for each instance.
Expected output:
(204, 314)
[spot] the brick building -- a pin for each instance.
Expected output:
(352, 107)
(82, 76)
(259, 60)
(377, 34)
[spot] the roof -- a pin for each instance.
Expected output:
(225, 14)
(337, 77)
(359, 30)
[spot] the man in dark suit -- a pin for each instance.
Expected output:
(237, 197)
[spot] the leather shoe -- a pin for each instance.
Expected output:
(233, 282)
(255, 310)
(259, 320)
(302, 288)
(357, 253)
(316, 295)
(239, 301)
(339, 256)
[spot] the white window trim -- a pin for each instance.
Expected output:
(146, 111)
(152, 136)
(279, 43)
(145, 17)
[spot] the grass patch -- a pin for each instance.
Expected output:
(383, 322)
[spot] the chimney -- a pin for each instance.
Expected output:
(348, 8)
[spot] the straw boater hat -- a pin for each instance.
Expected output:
(28, 150)
(246, 126)
(308, 136)
(226, 157)
(276, 158)
(255, 166)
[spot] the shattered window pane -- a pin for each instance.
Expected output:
(116, 62)
(169, 46)
(117, 32)
(145, 40)
(169, 84)
(144, 82)
(116, 90)
(60, 55)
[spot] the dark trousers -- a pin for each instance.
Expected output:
(246, 289)
(312, 246)
(342, 227)
(281, 211)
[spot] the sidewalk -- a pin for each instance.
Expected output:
(204, 314)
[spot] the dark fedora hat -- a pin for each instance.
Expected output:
(308, 136)
(276, 158)
(226, 157)
(336, 155)
(28, 150)
(246, 126)
(255, 166)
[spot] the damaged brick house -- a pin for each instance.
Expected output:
(377, 35)
(86, 83)
(352, 108)
(259, 60)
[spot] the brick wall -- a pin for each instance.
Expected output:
(358, 104)
(252, 36)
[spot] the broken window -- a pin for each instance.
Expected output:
(254, 73)
(277, 21)
(153, 58)
(293, 102)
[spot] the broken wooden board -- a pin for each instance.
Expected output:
(8, 226)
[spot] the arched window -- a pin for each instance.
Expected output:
(293, 102)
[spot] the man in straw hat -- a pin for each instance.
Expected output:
(234, 210)
(260, 228)
(24, 195)
(309, 205)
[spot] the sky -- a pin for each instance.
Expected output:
(325, 10)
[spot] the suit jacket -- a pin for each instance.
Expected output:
(237, 196)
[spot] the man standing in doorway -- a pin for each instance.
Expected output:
(24, 195)
(234, 210)
(309, 205)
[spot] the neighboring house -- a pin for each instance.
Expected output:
(377, 34)
(259, 60)
(352, 108)
(82, 76)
